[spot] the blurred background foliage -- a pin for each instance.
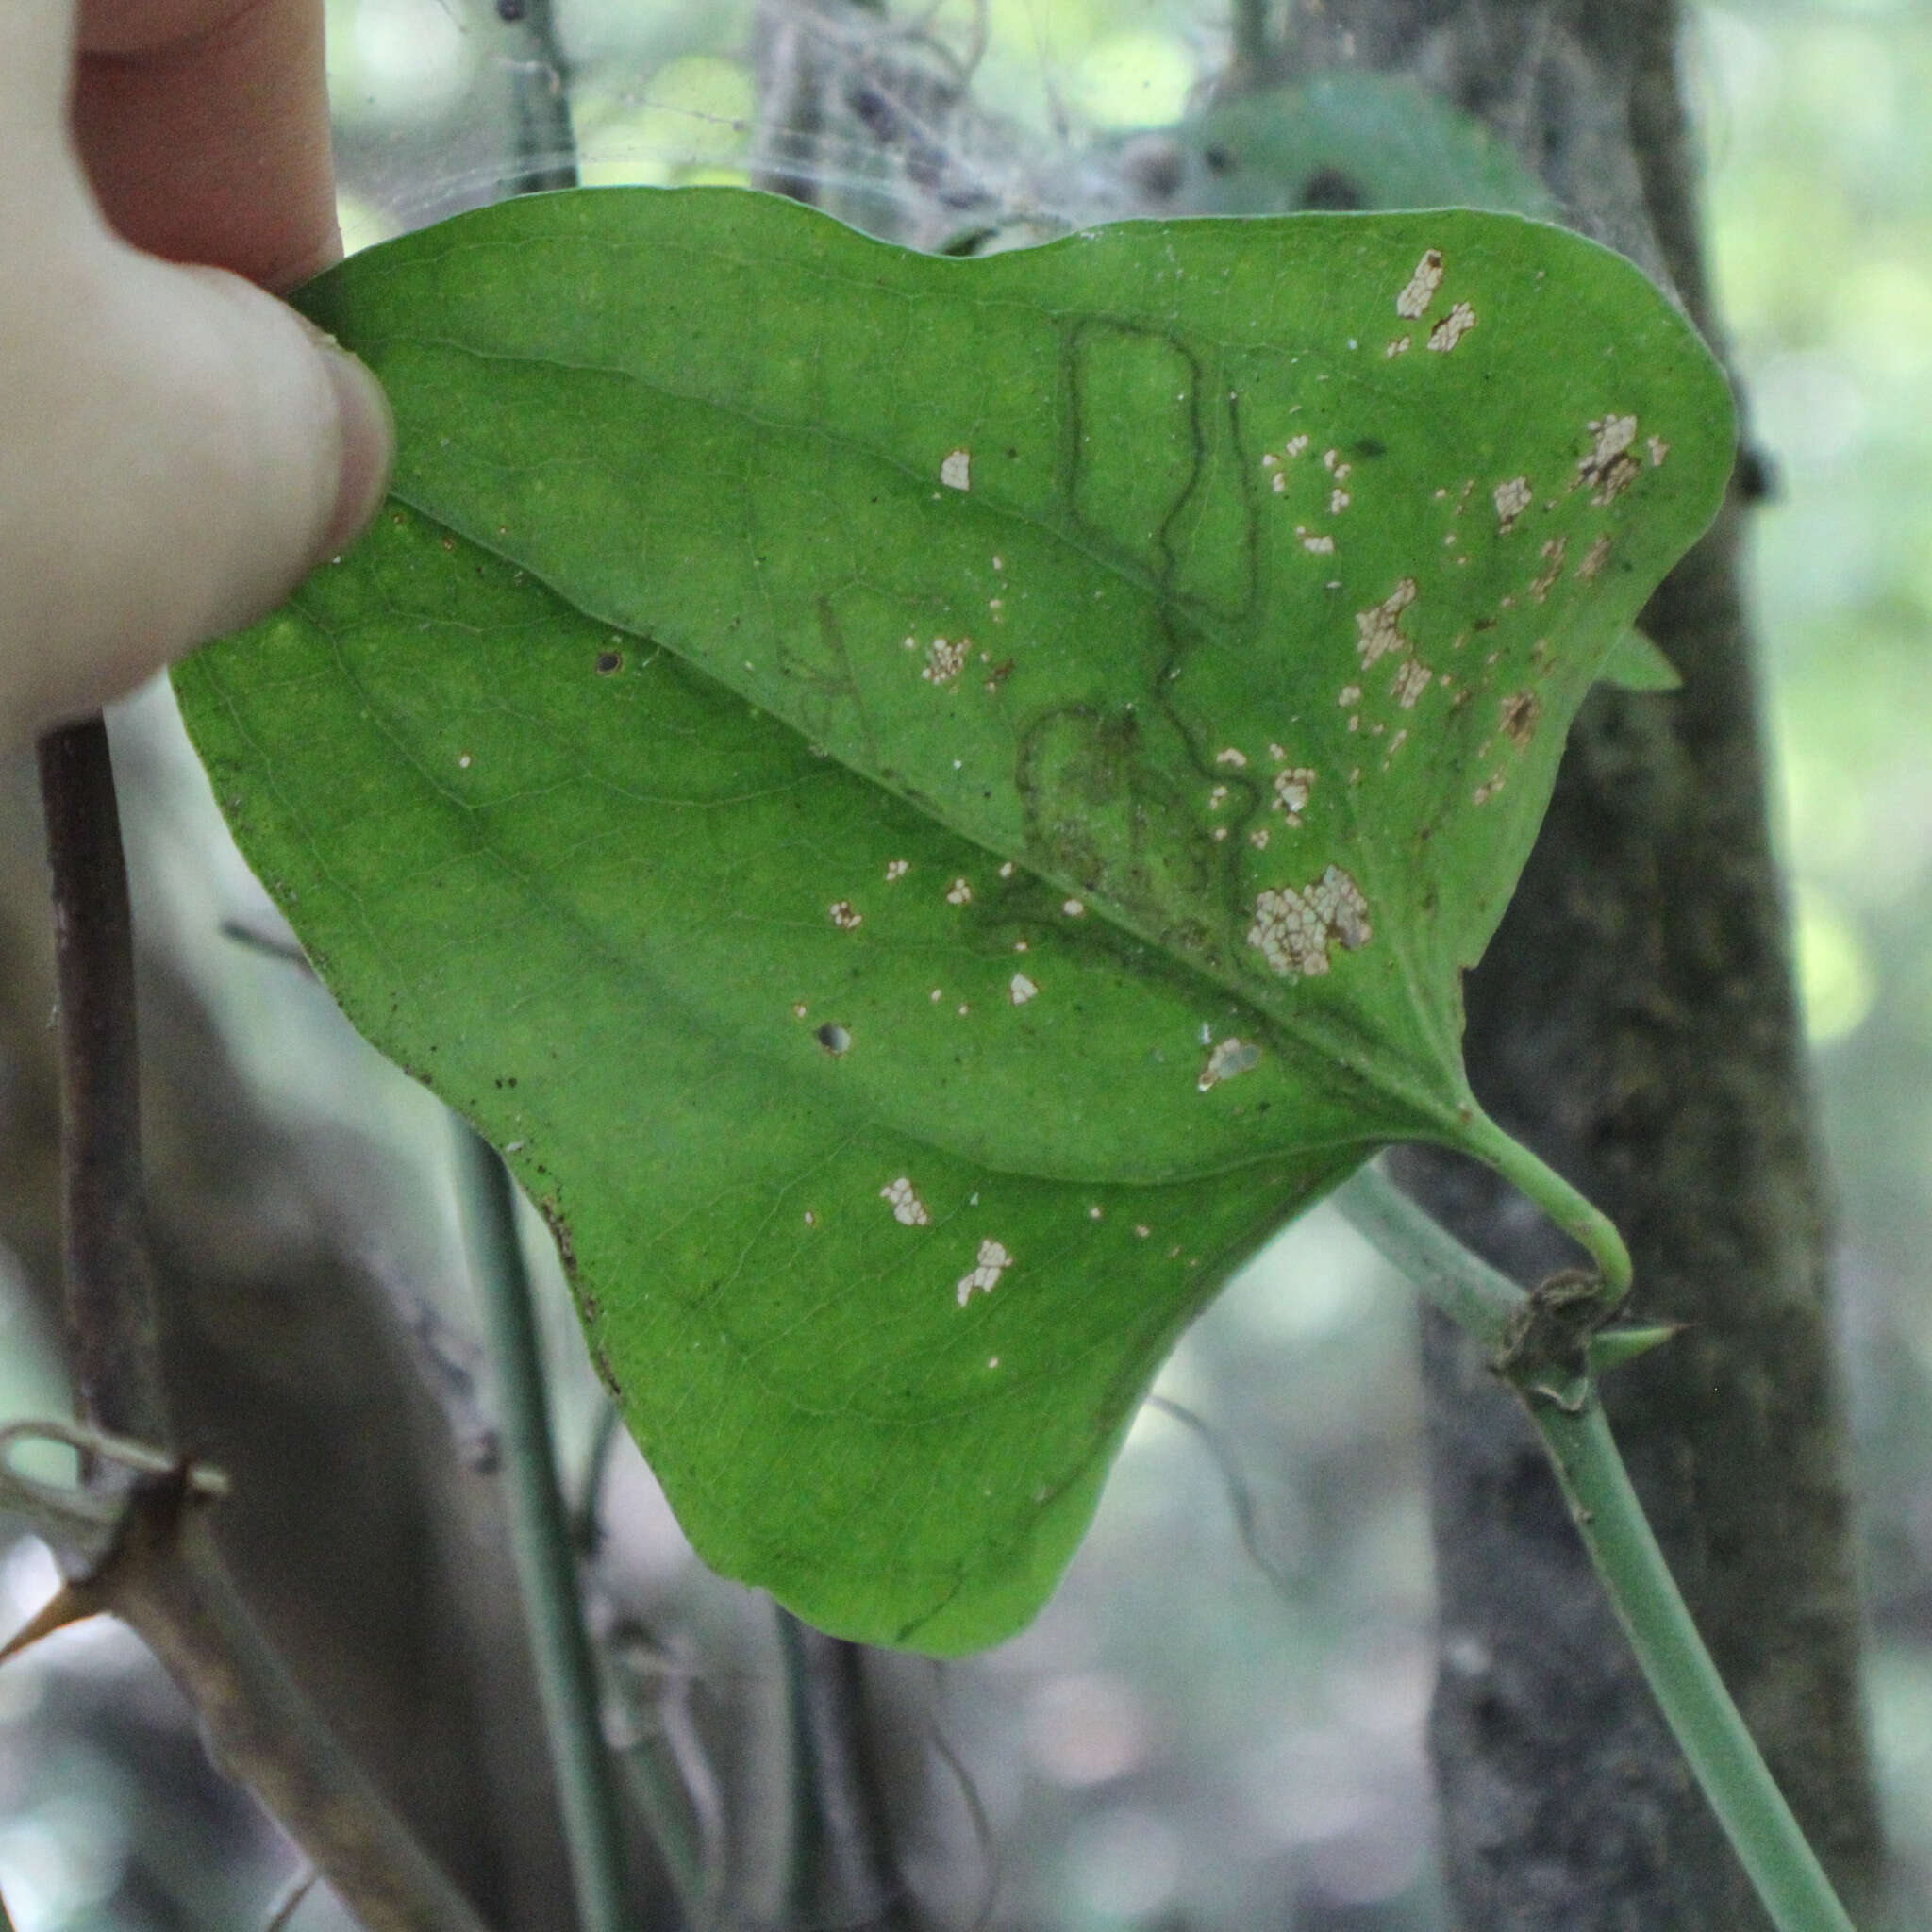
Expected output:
(1219, 1721)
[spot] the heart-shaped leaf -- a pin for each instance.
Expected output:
(929, 804)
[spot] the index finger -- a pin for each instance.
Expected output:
(203, 125)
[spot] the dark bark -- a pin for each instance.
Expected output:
(1634, 1022)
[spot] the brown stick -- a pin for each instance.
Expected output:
(162, 1575)
(110, 1306)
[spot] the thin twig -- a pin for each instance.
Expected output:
(844, 1869)
(541, 1538)
(587, 1523)
(168, 1582)
(667, 1769)
(113, 1352)
(162, 1575)
(285, 1908)
(1240, 1498)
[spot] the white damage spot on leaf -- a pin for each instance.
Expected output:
(1349, 695)
(1074, 908)
(1019, 990)
(1411, 680)
(1553, 553)
(1609, 466)
(1228, 755)
(897, 869)
(1258, 838)
(1319, 546)
(992, 1261)
(1231, 1057)
(958, 893)
(1659, 450)
(1339, 500)
(909, 1210)
(1292, 790)
(1451, 329)
(1594, 558)
(1420, 289)
(1511, 499)
(1007, 869)
(1398, 347)
(955, 473)
(843, 917)
(1293, 930)
(1378, 629)
(944, 661)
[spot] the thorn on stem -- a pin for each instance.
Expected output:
(73, 1603)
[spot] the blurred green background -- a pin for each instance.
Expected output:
(1197, 1733)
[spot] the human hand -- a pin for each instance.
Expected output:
(177, 449)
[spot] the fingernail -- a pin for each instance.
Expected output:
(369, 438)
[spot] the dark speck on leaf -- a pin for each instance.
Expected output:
(509, 10)
(1219, 161)
(608, 661)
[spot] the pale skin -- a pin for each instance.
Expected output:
(177, 449)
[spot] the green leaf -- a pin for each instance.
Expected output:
(1636, 663)
(1345, 141)
(930, 805)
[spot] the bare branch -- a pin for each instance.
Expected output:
(113, 1353)
(162, 1575)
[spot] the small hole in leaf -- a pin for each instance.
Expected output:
(608, 661)
(834, 1039)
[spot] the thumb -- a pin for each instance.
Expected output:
(181, 450)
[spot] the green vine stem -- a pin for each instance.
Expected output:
(541, 1539)
(1586, 1224)
(1726, 1763)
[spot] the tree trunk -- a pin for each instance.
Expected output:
(1635, 1021)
